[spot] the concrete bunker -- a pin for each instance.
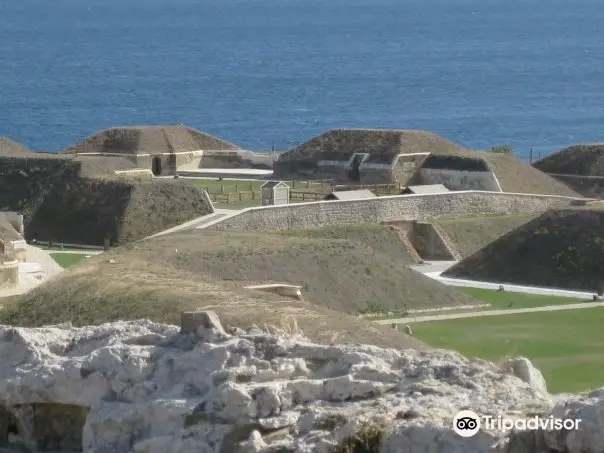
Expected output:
(366, 156)
(42, 427)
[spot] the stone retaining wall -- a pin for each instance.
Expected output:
(16, 250)
(384, 209)
(9, 274)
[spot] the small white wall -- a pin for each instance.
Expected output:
(138, 173)
(15, 219)
(193, 164)
(460, 179)
(17, 249)
(267, 158)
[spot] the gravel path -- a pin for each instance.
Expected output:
(478, 314)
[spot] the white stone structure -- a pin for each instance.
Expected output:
(140, 387)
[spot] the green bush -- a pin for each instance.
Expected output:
(502, 149)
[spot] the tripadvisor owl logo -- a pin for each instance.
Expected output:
(466, 423)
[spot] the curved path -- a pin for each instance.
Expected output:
(478, 314)
(434, 270)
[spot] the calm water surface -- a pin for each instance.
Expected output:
(529, 73)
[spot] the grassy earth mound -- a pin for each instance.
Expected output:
(513, 174)
(60, 205)
(382, 144)
(349, 269)
(516, 176)
(341, 270)
(148, 140)
(89, 210)
(470, 234)
(10, 147)
(580, 160)
(138, 284)
(559, 249)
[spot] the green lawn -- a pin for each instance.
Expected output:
(567, 346)
(66, 260)
(503, 299)
(241, 185)
(500, 300)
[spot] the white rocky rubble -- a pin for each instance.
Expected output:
(141, 387)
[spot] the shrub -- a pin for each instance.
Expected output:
(502, 149)
(366, 439)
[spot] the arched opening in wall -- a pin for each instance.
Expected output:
(58, 427)
(156, 166)
(10, 434)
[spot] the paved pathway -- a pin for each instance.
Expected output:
(434, 269)
(199, 222)
(477, 314)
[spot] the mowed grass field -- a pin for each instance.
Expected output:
(66, 260)
(232, 186)
(243, 185)
(502, 300)
(567, 346)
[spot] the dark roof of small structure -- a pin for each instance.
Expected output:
(382, 145)
(456, 161)
(426, 189)
(273, 184)
(149, 140)
(351, 195)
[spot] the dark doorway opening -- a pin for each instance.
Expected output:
(355, 171)
(156, 166)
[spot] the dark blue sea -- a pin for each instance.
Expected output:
(257, 72)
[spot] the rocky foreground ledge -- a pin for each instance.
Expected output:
(150, 388)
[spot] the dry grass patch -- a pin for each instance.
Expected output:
(98, 291)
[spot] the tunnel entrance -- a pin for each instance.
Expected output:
(156, 166)
(355, 172)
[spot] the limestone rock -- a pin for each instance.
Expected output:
(141, 387)
(522, 368)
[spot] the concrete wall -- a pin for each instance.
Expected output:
(16, 250)
(403, 169)
(259, 160)
(429, 244)
(406, 167)
(384, 209)
(460, 179)
(189, 161)
(9, 274)
(338, 171)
